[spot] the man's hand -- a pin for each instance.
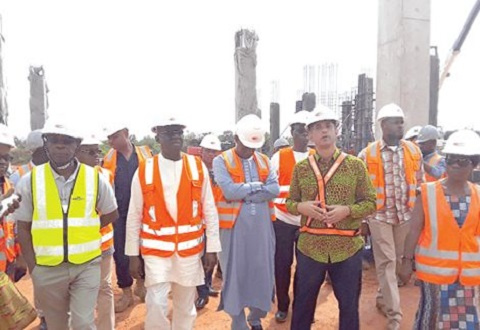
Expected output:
(406, 270)
(311, 210)
(20, 263)
(11, 206)
(136, 269)
(364, 229)
(210, 261)
(336, 213)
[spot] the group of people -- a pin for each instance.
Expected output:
(168, 220)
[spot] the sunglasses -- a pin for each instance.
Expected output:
(460, 161)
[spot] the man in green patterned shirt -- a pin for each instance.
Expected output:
(331, 241)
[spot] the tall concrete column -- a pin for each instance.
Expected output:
(403, 58)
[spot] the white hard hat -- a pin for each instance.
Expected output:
(463, 142)
(212, 142)
(90, 140)
(58, 127)
(6, 137)
(322, 113)
(281, 142)
(300, 117)
(34, 140)
(428, 133)
(412, 132)
(250, 131)
(168, 120)
(112, 128)
(390, 110)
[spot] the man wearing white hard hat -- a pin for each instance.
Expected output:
(122, 161)
(433, 163)
(396, 170)
(331, 192)
(89, 153)
(287, 225)
(65, 203)
(246, 212)
(443, 241)
(412, 133)
(211, 147)
(39, 157)
(171, 210)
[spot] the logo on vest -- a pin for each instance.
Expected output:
(78, 198)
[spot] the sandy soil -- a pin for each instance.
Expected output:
(326, 315)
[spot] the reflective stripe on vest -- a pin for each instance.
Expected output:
(160, 235)
(374, 161)
(228, 210)
(65, 236)
(446, 253)
(107, 231)
(286, 159)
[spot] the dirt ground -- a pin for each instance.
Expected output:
(326, 315)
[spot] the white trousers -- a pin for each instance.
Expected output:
(184, 312)
(105, 304)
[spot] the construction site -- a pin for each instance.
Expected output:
(409, 72)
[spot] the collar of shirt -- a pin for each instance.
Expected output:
(426, 158)
(72, 177)
(384, 145)
(335, 156)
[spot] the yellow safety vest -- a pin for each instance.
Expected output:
(65, 236)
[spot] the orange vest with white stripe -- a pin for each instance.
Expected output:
(433, 161)
(106, 231)
(287, 162)
(228, 210)
(445, 252)
(411, 160)
(161, 235)
(8, 249)
(110, 159)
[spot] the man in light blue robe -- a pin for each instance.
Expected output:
(248, 248)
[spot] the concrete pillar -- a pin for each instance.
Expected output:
(274, 123)
(403, 58)
(38, 97)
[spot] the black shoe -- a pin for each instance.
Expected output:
(257, 327)
(201, 302)
(43, 324)
(280, 316)
(212, 292)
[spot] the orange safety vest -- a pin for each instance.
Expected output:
(24, 169)
(110, 159)
(433, 161)
(160, 235)
(412, 157)
(445, 252)
(107, 231)
(322, 183)
(228, 210)
(285, 170)
(8, 248)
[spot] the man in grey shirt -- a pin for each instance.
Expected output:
(64, 205)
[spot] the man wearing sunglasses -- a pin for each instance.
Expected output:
(89, 153)
(122, 161)
(396, 170)
(433, 163)
(171, 210)
(65, 203)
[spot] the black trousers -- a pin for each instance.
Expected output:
(285, 247)
(346, 277)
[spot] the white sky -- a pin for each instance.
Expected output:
(138, 59)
